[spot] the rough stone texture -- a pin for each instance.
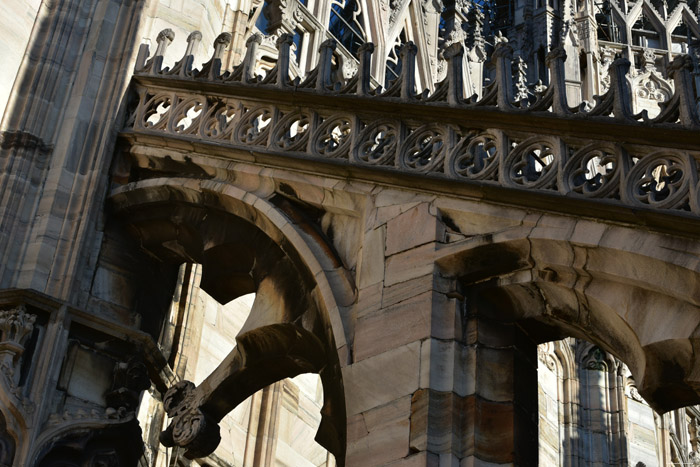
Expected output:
(407, 250)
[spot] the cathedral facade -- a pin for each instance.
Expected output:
(412, 233)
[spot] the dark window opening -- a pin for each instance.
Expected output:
(346, 24)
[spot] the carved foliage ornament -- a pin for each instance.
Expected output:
(190, 427)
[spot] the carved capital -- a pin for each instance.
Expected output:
(16, 325)
(191, 427)
(130, 379)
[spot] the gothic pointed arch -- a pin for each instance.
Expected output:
(612, 25)
(645, 26)
(348, 22)
(605, 303)
(248, 244)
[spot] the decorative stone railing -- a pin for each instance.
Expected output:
(540, 145)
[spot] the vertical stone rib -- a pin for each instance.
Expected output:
(40, 97)
(69, 92)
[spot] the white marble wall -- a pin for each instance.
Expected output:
(16, 23)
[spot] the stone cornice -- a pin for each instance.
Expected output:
(24, 140)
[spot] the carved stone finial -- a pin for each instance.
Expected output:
(223, 38)
(251, 54)
(154, 64)
(364, 54)
(325, 65)
(454, 55)
(165, 37)
(190, 428)
(649, 60)
(622, 103)
(520, 73)
(254, 38)
(165, 34)
(184, 66)
(680, 70)
(194, 36)
(284, 39)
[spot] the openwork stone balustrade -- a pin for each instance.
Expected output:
(566, 152)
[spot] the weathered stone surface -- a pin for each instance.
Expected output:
(386, 436)
(408, 246)
(366, 385)
(406, 290)
(393, 327)
(412, 228)
(409, 265)
(371, 269)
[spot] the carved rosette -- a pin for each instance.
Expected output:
(191, 428)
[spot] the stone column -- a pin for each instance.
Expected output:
(481, 405)
(235, 21)
(434, 378)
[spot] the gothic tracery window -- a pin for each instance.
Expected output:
(347, 24)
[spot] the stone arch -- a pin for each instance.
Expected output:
(248, 244)
(602, 287)
(602, 398)
(84, 443)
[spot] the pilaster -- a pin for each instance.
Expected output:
(463, 384)
(58, 137)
